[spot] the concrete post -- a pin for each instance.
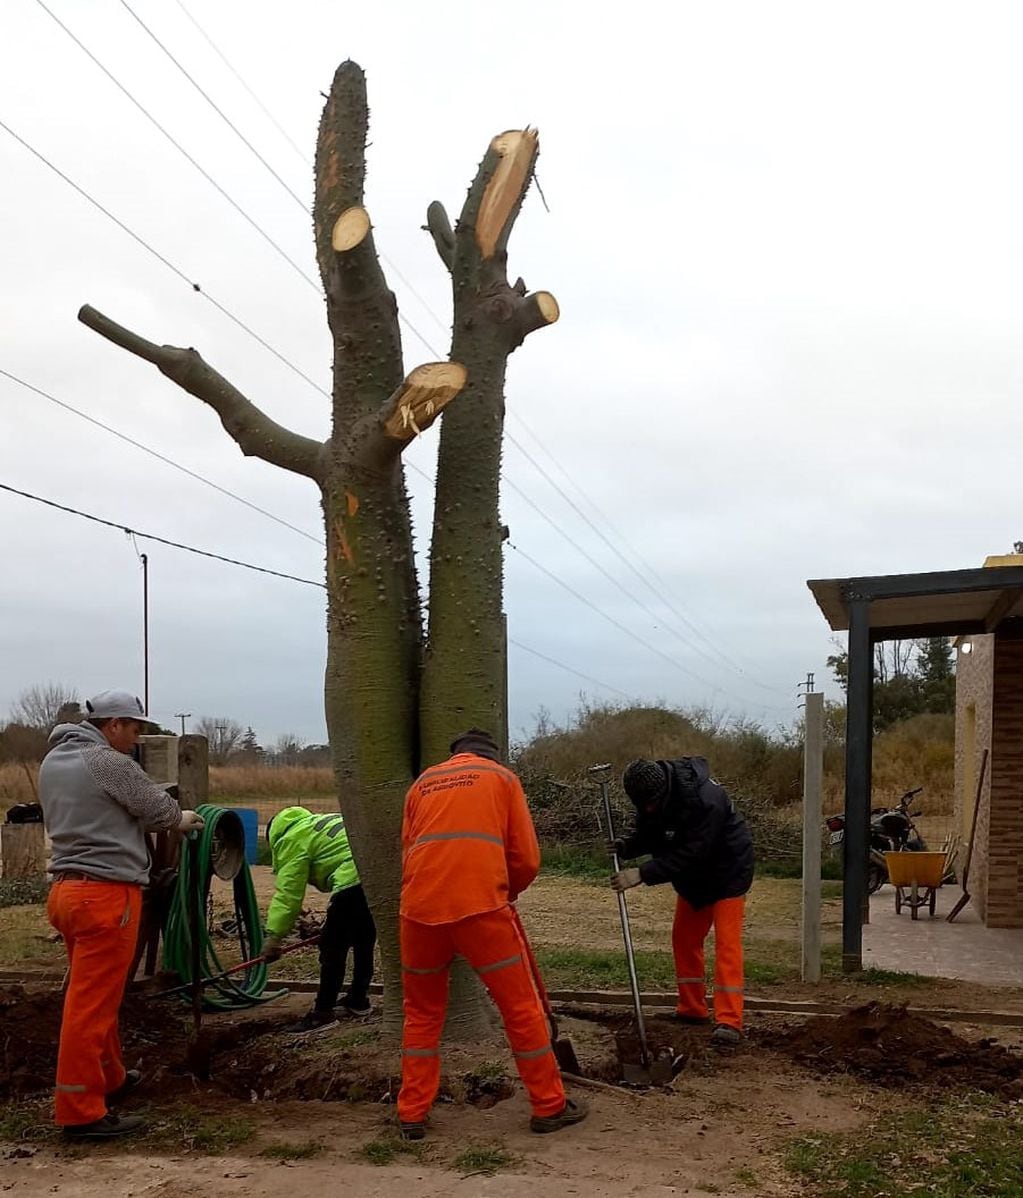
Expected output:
(813, 772)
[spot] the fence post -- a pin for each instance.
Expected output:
(813, 769)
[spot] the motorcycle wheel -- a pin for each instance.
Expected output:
(876, 877)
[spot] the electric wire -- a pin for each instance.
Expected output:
(561, 666)
(181, 150)
(161, 457)
(148, 536)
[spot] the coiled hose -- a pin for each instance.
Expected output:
(244, 989)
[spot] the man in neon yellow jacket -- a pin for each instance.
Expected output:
(312, 850)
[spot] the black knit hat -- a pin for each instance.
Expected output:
(645, 782)
(475, 740)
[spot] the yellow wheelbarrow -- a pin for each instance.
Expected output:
(916, 878)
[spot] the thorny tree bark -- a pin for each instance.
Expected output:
(393, 698)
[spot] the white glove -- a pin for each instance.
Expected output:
(191, 821)
(626, 879)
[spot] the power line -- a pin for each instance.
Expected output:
(568, 669)
(212, 103)
(181, 150)
(688, 623)
(266, 111)
(148, 536)
(624, 628)
(194, 286)
(161, 457)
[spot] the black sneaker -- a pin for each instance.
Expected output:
(725, 1036)
(359, 1009)
(313, 1021)
(571, 1112)
(413, 1131)
(132, 1079)
(107, 1128)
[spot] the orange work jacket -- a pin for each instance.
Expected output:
(468, 842)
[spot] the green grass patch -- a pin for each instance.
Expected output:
(192, 1130)
(966, 1148)
(888, 977)
(22, 892)
(385, 1150)
(603, 970)
(293, 1152)
(486, 1159)
(831, 868)
(27, 1122)
(573, 861)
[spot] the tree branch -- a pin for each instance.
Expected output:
(439, 227)
(378, 439)
(537, 311)
(516, 151)
(255, 433)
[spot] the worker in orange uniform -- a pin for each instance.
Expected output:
(468, 851)
(98, 805)
(701, 845)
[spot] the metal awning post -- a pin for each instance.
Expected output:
(858, 748)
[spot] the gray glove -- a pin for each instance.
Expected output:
(626, 879)
(191, 821)
(271, 948)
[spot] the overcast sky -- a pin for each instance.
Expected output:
(785, 239)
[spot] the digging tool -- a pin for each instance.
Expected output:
(243, 965)
(564, 1049)
(969, 849)
(651, 1070)
(200, 1051)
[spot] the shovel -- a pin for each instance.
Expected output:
(564, 1049)
(651, 1070)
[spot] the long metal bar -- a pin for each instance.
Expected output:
(623, 915)
(145, 624)
(858, 743)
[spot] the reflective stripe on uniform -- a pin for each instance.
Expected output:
(333, 825)
(500, 964)
(69, 1089)
(425, 972)
(534, 1052)
(730, 989)
(420, 1052)
(689, 981)
(458, 836)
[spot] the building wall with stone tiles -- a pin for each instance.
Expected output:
(1004, 882)
(974, 678)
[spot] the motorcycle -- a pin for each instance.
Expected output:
(891, 831)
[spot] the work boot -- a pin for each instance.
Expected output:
(132, 1079)
(413, 1131)
(313, 1021)
(107, 1128)
(571, 1112)
(725, 1036)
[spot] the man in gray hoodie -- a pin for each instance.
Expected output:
(98, 804)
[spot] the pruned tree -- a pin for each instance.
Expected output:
(41, 706)
(287, 748)
(224, 736)
(395, 696)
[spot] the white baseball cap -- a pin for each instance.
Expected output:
(116, 705)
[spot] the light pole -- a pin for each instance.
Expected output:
(182, 716)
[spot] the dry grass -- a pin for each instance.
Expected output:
(17, 783)
(271, 782)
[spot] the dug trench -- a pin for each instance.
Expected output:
(255, 1060)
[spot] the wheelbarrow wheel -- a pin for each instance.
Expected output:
(933, 899)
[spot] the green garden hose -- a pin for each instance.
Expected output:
(244, 989)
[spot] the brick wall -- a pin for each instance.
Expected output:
(1004, 880)
(974, 677)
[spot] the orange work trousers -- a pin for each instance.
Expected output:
(99, 922)
(491, 943)
(688, 933)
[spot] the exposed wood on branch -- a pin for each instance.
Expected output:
(517, 150)
(421, 398)
(255, 433)
(440, 230)
(350, 229)
(538, 310)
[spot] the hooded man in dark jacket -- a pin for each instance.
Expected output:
(699, 843)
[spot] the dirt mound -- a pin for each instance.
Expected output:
(888, 1045)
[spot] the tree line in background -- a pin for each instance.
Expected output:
(910, 678)
(39, 708)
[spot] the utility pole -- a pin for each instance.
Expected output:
(145, 623)
(182, 716)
